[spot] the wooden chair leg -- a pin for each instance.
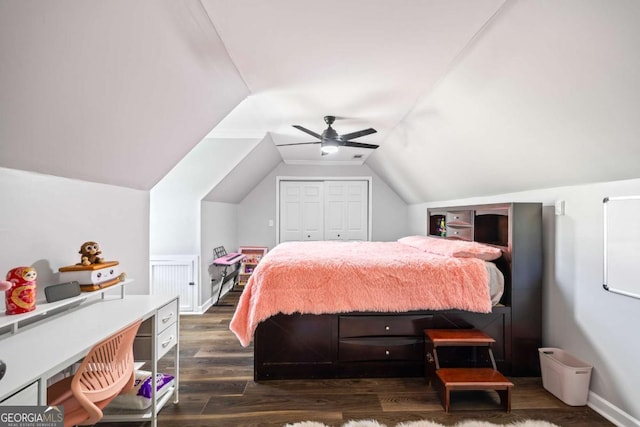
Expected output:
(447, 399)
(445, 395)
(505, 399)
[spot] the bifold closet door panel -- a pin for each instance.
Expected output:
(346, 210)
(301, 210)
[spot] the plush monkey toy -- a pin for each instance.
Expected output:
(89, 252)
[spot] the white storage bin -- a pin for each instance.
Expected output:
(565, 376)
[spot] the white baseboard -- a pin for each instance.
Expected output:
(210, 302)
(611, 412)
(199, 310)
(206, 306)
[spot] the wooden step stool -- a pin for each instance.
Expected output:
(446, 380)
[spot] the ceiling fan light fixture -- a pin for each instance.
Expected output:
(329, 149)
(330, 140)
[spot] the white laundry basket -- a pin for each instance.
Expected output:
(564, 375)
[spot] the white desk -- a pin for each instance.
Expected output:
(40, 351)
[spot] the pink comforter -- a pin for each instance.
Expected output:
(339, 277)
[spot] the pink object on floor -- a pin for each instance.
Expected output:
(340, 277)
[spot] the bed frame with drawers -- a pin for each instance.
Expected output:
(377, 344)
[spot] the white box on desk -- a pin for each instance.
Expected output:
(90, 275)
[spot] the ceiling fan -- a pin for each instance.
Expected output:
(330, 140)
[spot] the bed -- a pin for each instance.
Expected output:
(359, 309)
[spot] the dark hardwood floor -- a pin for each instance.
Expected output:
(217, 389)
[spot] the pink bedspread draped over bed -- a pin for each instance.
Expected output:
(340, 277)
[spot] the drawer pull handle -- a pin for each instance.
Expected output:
(167, 342)
(387, 328)
(165, 319)
(387, 352)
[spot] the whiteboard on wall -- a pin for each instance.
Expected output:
(622, 245)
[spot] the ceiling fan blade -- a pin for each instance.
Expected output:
(310, 132)
(358, 134)
(360, 145)
(298, 143)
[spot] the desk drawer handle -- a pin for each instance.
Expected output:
(167, 342)
(167, 318)
(387, 352)
(387, 328)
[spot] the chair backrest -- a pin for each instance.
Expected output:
(106, 370)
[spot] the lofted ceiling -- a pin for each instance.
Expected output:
(468, 97)
(365, 62)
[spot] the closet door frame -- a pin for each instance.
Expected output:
(368, 179)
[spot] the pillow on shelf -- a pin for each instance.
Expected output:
(453, 248)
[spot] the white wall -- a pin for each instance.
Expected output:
(113, 92)
(44, 220)
(389, 218)
(175, 201)
(580, 317)
(176, 222)
(219, 228)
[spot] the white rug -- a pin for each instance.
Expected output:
(425, 423)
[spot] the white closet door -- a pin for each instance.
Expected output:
(313, 211)
(301, 210)
(357, 210)
(290, 211)
(346, 210)
(335, 218)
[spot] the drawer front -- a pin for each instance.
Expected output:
(167, 316)
(368, 326)
(28, 396)
(459, 232)
(167, 339)
(459, 217)
(376, 349)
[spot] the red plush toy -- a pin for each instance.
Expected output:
(20, 297)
